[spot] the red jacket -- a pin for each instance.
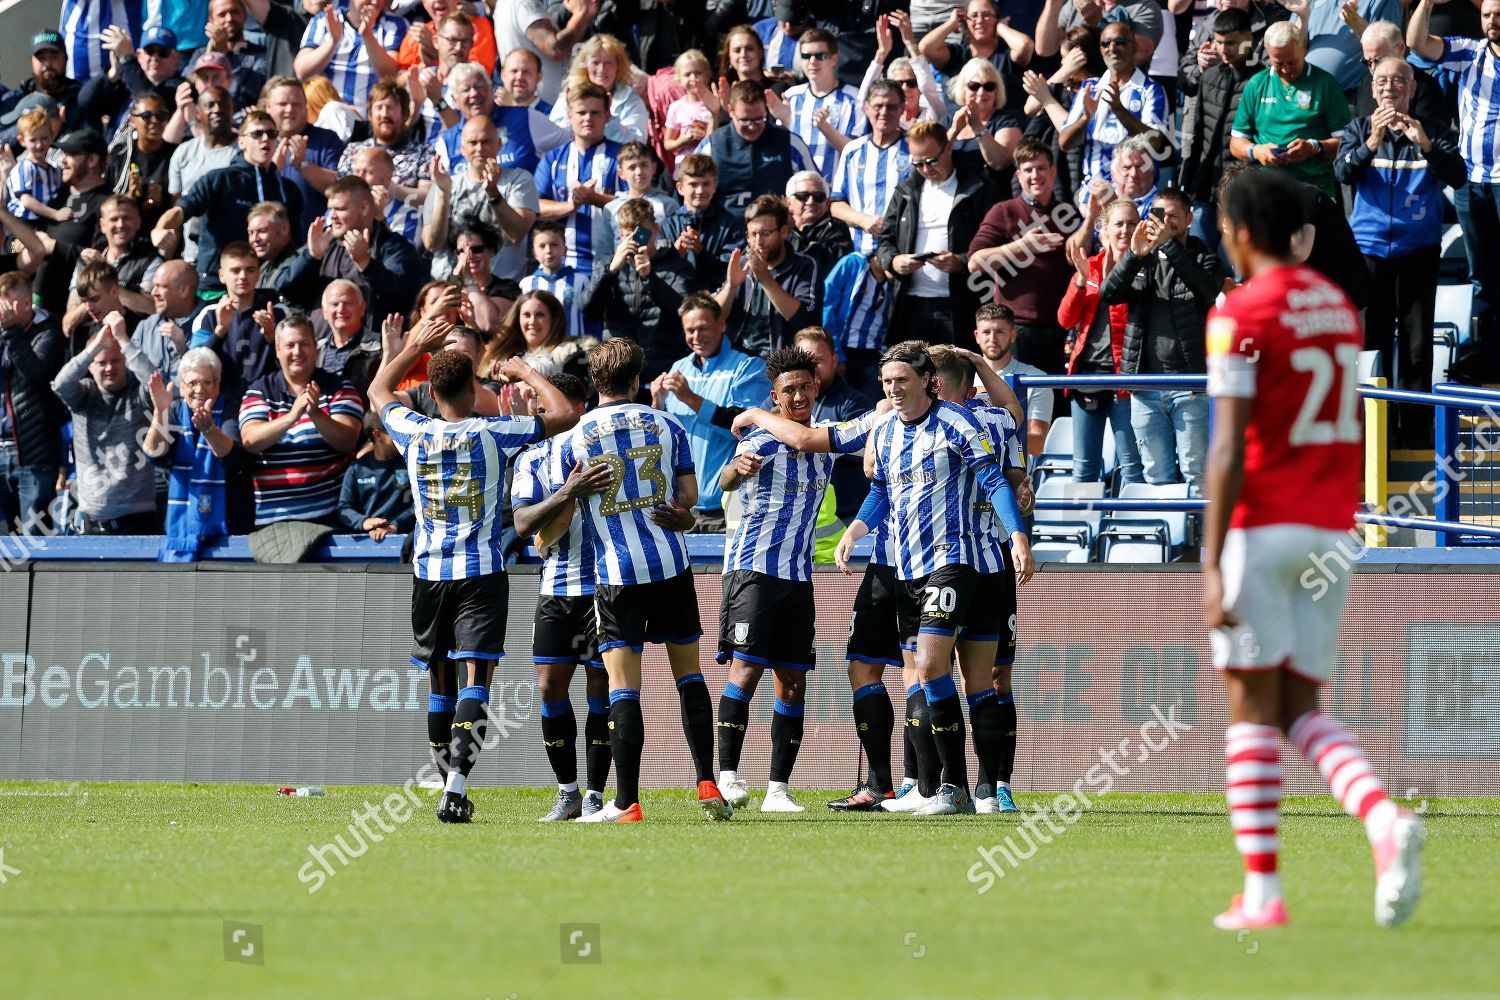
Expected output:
(1077, 310)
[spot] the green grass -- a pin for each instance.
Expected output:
(123, 892)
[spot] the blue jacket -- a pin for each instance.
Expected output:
(1398, 189)
(729, 378)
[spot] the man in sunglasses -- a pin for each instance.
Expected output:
(815, 233)
(823, 111)
(224, 197)
(1379, 40)
(1109, 108)
(153, 67)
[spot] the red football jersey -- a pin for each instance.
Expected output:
(1290, 341)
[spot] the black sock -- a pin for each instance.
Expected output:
(698, 723)
(909, 727)
(874, 717)
(734, 718)
(559, 737)
(440, 731)
(468, 728)
(596, 735)
(786, 739)
(947, 719)
(627, 736)
(1008, 719)
(929, 764)
(986, 718)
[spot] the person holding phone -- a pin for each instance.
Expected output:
(1291, 113)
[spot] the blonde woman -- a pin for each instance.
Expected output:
(603, 61)
(325, 110)
(980, 123)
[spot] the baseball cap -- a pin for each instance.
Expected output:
(791, 11)
(44, 40)
(158, 35)
(32, 100)
(211, 60)
(83, 142)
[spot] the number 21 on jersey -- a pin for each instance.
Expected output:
(1334, 374)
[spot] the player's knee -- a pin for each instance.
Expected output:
(861, 674)
(1000, 678)
(596, 683)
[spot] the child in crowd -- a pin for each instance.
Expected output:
(376, 497)
(691, 116)
(553, 274)
(34, 182)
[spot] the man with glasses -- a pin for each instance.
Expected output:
(823, 112)
(224, 197)
(153, 67)
(814, 232)
(1007, 48)
(1334, 46)
(1109, 108)
(1379, 40)
(427, 45)
(924, 241)
(871, 167)
(750, 158)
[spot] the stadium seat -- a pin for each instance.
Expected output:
(1144, 536)
(1056, 458)
(1065, 535)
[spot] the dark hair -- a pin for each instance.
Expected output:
(1178, 197)
(483, 230)
(746, 92)
(95, 273)
(700, 300)
(815, 35)
(614, 364)
(634, 151)
(550, 226)
(1086, 39)
(725, 69)
(508, 341)
(790, 359)
(1232, 21)
(1030, 149)
(914, 353)
(239, 249)
(769, 204)
(1267, 205)
(450, 373)
(349, 185)
(575, 388)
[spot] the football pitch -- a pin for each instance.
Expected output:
(193, 891)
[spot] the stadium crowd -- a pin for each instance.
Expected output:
(217, 223)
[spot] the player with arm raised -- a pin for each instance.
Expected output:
(1283, 483)
(643, 588)
(564, 635)
(767, 617)
(931, 467)
(461, 594)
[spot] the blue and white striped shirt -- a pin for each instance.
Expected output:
(775, 534)
(568, 567)
(458, 480)
(865, 177)
(844, 114)
(781, 48)
(567, 286)
(1478, 72)
(1142, 96)
(856, 307)
(404, 219)
(81, 24)
(992, 538)
(929, 469)
(350, 70)
(40, 180)
(847, 438)
(568, 165)
(525, 134)
(647, 451)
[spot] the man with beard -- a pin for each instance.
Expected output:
(49, 67)
(389, 112)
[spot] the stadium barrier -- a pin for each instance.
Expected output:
(299, 675)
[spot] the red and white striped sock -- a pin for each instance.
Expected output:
(1252, 784)
(1337, 755)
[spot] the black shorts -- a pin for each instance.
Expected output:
(872, 630)
(635, 614)
(767, 621)
(459, 619)
(566, 631)
(992, 615)
(938, 603)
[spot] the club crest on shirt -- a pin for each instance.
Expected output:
(1304, 99)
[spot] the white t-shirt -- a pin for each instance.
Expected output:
(511, 21)
(932, 236)
(1038, 401)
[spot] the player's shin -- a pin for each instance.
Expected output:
(1342, 762)
(734, 718)
(440, 730)
(786, 740)
(874, 717)
(946, 718)
(598, 755)
(985, 718)
(919, 726)
(559, 738)
(468, 719)
(627, 737)
(1252, 782)
(697, 723)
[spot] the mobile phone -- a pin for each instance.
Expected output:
(928, 256)
(641, 237)
(1159, 214)
(1280, 150)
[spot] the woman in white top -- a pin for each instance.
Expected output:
(602, 60)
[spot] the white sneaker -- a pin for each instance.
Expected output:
(949, 800)
(780, 801)
(907, 801)
(1398, 870)
(735, 792)
(612, 813)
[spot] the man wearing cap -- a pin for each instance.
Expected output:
(206, 71)
(85, 157)
(152, 67)
(49, 75)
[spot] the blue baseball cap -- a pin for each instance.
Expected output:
(44, 40)
(158, 35)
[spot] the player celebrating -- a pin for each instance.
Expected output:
(767, 615)
(457, 471)
(644, 590)
(564, 636)
(930, 468)
(1283, 483)
(986, 658)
